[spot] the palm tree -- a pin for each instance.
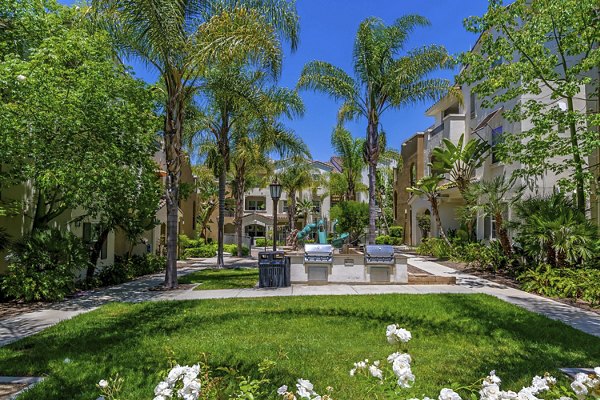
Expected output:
(350, 152)
(430, 188)
(179, 40)
(383, 80)
(233, 97)
(250, 160)
(296, 175)
(305, 207)
(494, 201)
(459, 162)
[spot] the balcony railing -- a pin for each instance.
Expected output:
(437, 129)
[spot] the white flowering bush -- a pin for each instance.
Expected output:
(394, 374)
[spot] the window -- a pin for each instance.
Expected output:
(255, 204)
(472, 104)
(316, 206)
(496, 138)
(283, 206)
(489, 228)
(90, 236)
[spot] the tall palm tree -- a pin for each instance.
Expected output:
(179, 40)
(383, 80)
(350, 152)
(234, 96)
(250, 159)
(430, 187)
(296, 174)
(305, 207)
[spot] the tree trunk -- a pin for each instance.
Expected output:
(95, 252)
(579, 178)
(438, 220)
(372, 157)
(239, 209)
(502, 235)
(221, 223)
(292, 209)
(172, 137)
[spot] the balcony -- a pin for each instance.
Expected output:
(437, 129)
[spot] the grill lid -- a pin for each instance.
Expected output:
(319, 253)
(379, 254)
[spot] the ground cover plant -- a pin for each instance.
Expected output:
(456, 339)
(210, 279)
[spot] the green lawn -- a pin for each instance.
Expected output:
(456, 338)
(210, 279)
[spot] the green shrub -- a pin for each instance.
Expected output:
(125, 269)
(205, 251)
(583, 283)
(232, 248)
(353, 217)
(187, 243)
(396, 232)
(385, 239)
(42, 266)
(434, 247)
(261, 242)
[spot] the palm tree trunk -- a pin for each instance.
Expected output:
(172, 137)
(239, 210)
(502, 234)
(221, 223)
(372, 204)
(438, 220)
(292, 209)
(579, 177)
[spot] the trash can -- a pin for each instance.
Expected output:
(273, 269)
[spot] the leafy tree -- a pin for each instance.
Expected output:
(207, 190)
(551, 230)
(295, 176)
(459, 162)
(234, 98)
(352, 217)
(181, 40)
(494, 201)
(350, 152)
(430, 187)
(305, 207)
(546, 51)
(383, 80)
(77, 127)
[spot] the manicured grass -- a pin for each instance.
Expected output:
(456, 338)
(210, 279)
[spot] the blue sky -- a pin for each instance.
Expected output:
(327, 30)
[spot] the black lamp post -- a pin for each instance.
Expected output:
(275, 189)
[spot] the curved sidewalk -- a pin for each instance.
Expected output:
(16, 327)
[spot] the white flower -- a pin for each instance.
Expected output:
(67, 360)
(565, 398)
(395, 334)
(190, 391)
(190, 373)
(579, 388)
(101, 398)
(526, 394)
(160, 397)
(493, 378)
(448, 394)
(490, 391)
(282, 390)
(163, 389)
(305, 388)
(175, 374)
(21, 78)
(404, 357)
(597, 371)
(406, 380)
(509, 395)
(581, 377)
(103, 383)
(403, 335)
(538, 384)
(376, 372)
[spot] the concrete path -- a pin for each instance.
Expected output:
(17, 327)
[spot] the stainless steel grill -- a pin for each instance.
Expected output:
(318, 253)
(379, 254)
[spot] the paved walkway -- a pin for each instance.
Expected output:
(23, 325)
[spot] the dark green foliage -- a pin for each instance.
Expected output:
(187, 243)
(386, 239)
(352, 216)
(553, 231)
(476, 254)
(396, 231)
(583, 284)
(125, 269)
(4, 238)
(262, 242)
(42, 266)
(210, 250)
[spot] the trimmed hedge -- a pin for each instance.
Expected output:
(386, 239)
(210, 250)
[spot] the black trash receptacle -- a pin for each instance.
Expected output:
(273, 269)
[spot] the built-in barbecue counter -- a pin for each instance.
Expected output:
(318, 264)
